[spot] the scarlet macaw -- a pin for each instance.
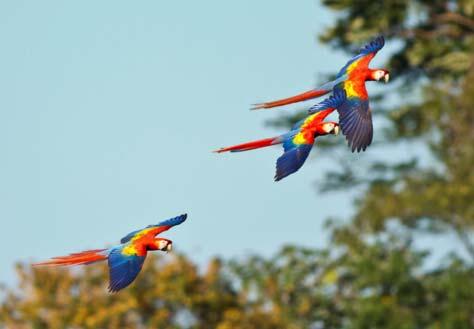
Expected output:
(298, 142)
(354, 113)
(125, 260)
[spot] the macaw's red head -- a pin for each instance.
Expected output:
(379, 74)
(329, 128)
(163, 244)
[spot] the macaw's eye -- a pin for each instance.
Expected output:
(329, 128)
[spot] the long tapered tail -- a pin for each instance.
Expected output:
(80, 258)
(251, 145)
(290, 100)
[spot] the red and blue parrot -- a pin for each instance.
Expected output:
(298, 142)
(126, 259)
(355, 116)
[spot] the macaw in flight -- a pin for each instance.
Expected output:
(298, 142)
(126, 259)
(355, 116)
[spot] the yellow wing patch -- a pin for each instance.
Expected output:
(309, 120)
(361, 63)
(349, 88)
(299, 139)
(353, 66)
(302, 136)
(142, 233)
(355, 88)
(130, 250)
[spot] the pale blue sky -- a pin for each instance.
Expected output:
(110, 109)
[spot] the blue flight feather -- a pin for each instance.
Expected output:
(355, 120)
(291, 161)
(172, 221)
(169, 222)
(372, 47)
(288, 139)
(337, 98)
(123, 269)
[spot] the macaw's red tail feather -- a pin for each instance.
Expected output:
(80, 258)
(290, 100)
(250, 145)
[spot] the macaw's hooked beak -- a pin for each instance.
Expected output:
(386, 77)
(336, 130)
(169, 247)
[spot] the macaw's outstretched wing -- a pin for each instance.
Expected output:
(338, 97)
(362, 60)
(297, 145)
(355, 119)
(292, 160)
(320, 111)
(299, 142)
(123, 268)
(152, 230)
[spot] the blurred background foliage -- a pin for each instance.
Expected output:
(370, 275)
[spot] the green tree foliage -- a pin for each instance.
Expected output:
(428, 108)
(364, 285)
(371, 275)
(436, 35)
(376, 285)
(165, 294)
(434, 56)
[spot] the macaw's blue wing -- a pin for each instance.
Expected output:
(365, 55)
(155, 229)
(123, 269)
(355, 119)
(292, 160)
(338, 97)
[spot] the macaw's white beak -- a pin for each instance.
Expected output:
(386, 77)
(169, 247)
(336, 130)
